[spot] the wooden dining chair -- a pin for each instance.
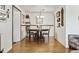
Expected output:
(46, 32)
(32, 33)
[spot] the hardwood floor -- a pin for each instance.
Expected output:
(26, 46)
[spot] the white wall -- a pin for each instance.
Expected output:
(60, 32)
(72, 20)
(6, 31)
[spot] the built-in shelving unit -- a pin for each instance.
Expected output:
(2, 11)
(2, 14)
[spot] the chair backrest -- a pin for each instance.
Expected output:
(33, 27)
(46, 27)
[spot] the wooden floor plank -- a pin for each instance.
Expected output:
(37, 47)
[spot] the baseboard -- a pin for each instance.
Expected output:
(6, 51)
(61, 43)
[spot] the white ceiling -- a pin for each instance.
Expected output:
(38, 8)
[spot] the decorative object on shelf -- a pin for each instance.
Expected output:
(58, 14)
(27, 16)
(2, 7)
(62, 17)
(58, 19)
(4, 14)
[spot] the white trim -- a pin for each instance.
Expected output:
(7, 50)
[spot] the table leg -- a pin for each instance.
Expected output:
(48, 37)
(29, 35)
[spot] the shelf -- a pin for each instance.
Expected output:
(27, 22)
(2, 14)
(2, 11)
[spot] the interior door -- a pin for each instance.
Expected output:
(16, 24)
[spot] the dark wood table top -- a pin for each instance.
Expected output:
(38, 29)
(34, 25)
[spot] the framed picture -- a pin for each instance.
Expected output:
(2, 7)
(58, 14)
(62, 17)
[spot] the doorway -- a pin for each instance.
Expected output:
(16, 13)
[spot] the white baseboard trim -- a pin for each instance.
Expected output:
(5, 51)
(61, 43)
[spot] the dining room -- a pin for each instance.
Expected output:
(37, 30)
(38, 18)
